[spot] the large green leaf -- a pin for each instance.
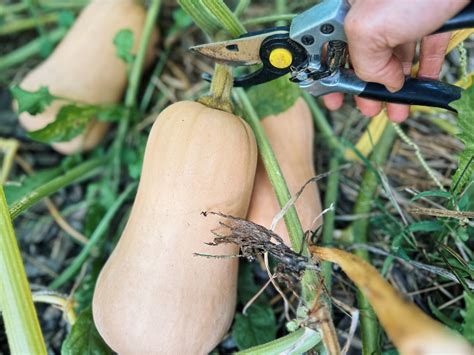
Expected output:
(33, 102)
(259, 325)
(274, 97)
(73, 119)
(84, 339)
(255, 328)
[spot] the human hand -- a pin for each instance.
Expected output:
(382, 37)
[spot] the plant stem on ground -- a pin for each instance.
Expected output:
(95, 238)
(29, 50)
(329, 218)
(79, 172)
(367, 193)
(19, 314)
(133, 86)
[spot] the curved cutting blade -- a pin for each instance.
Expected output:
(242, 51)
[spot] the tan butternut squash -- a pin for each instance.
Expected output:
(85, 68)
(154, 295)
(291, 136)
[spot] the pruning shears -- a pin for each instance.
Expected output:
(313, 50)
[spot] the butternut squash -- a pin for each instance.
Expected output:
(291, 136)
(153, 295)
(85, 68)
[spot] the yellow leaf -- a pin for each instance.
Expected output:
(411, 330)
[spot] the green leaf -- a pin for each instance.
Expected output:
(72, 120)
(33, 102)
(257, 327)
(468, 315)
(442, 317)
(465, 108)
(133, 157)
(464, 171)
(84, 339)
(111, 113)
(123, 42)
(66, 18)
(274, 97)
(425, 226)
(466, 203)
(69, 123)
(247, 287)
(435, 193)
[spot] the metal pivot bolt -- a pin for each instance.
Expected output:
(327, 28)
(307, 40)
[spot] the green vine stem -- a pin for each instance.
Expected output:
(31, 49)
(327, 135)
(83, 170)
(8, 10)
(328, 226)
(95, 238)
(281, 8)
(241, 7)
(310, 282)
(133, 86)
(360, 227)
(293, 224)
(28, 23)
(19, 314)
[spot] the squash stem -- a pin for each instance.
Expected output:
(81, 171)
(205, 15)
(370, 182)
(221, 89)
(19, 314)
(95, 238)
(134, 84)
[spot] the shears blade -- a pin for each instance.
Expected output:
(242, 51)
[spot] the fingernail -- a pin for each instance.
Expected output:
(393, 89)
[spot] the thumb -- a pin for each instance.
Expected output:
(372, 57)
(380, 67)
